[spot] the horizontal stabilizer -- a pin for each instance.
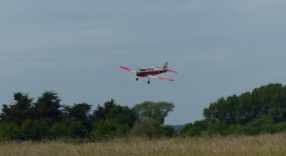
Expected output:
(165, 79)
(172, 71)
(161, 78)
(167, 70)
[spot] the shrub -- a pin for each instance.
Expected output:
(10, 131)
(167, 131)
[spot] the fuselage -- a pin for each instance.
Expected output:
(144, 73)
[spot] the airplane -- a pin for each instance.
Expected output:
(150, 72)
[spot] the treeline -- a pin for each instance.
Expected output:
(47, 118)
(261, 111)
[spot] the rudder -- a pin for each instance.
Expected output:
(165, 65)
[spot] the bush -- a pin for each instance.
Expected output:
(184, 131)
(217, 128)
(273, 128)
(10, 131)
(167, 131)
(150, 128)
(34, 130)
(233, 129)
(57, 130)
(103, 129)
(76, 129)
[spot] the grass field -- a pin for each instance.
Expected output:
(219, 145)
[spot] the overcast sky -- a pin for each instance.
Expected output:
(75, 48)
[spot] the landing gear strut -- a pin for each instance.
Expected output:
(136, 79)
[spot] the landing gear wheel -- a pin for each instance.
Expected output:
(148, 82)
(136, 79)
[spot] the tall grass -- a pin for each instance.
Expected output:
(218, 145)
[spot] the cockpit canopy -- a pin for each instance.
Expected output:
(145, 69)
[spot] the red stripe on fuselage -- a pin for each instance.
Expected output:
(153, 72)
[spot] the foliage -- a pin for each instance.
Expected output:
(151, 128)
(154, 110)
(115, 120)
(76, 129)
(20, 111)
(10, 131)
(122, 115)
(167, 130)
(103, 129)
(101, 111)
(190, 129)
(261, 111)
(185, 129)
(34, 130)
(47, 106)
(78, 111)
(48, 119)
(58, 130)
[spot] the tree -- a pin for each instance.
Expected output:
(18, 112)
(167, 130)
(243, 110)
(47, 106)
(200, 126)
(58, 129)
(151, 128)
(10, 131)
(187, 130)
(34, 130)
(254, 112)
(76, 129)
(101, 112)
(154, 110)
(141, 108)
(103, 129)
(78, 111)
(122, 115)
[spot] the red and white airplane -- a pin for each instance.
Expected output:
(150, 72)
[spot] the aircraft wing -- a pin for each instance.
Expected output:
(167, 70)
(161, 78)
(132, 70)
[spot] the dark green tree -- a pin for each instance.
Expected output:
(58, 129)
(253, 112)
(79, 111)
(122, 115)
(77, 129)
(243, 110)
(34, 130)
(18, 112)
(101, 111)
(10, 131)
(187, 130)
(167, 131)
(48, 106)
(103, 129)
(200, 126)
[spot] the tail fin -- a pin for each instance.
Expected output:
(165, 65)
